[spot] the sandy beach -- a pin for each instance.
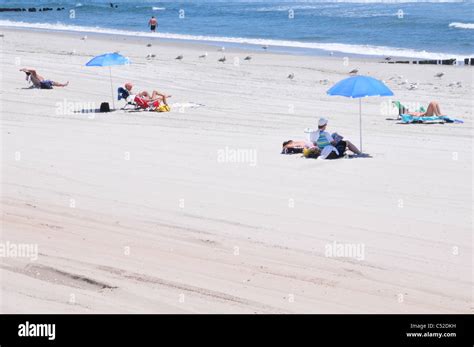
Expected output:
(146, 212)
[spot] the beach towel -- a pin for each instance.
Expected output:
(182, 106)
(409, 119)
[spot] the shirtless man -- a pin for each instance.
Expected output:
(153, 23)
(39, 81)
(156, 95)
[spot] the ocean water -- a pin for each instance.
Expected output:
(420, 29)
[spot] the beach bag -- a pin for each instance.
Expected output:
(163, 108)
(104, 107)
(312, 152)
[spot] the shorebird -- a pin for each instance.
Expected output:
(222, 49)
(440, 74)
(148, 45)
(291, 76)
(248, 58)
(179, 57)
(84, 38)
(203, 55)
(265, 47)
(222, 60)
(353, 72)
(388, 58)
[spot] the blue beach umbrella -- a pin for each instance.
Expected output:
(360, 87)
(109, 59)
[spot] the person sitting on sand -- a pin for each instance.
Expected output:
(432, 110)
(155, 96)
(39, 81)
(331, 148)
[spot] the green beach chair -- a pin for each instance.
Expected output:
(403, 110)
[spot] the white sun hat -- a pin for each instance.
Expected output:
(322, 122)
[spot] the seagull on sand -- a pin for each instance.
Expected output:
(354, 72)
(222, 60)
(440, 74)
(248, 58)
(203, 56)
(179, 57)
(291, 76)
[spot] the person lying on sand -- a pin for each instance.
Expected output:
(290, 146)
(155, 96)
(432, 110)
(39, 81)
(336, 146)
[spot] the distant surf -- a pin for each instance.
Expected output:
(366, 50)
(462, 25)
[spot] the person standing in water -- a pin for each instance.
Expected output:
(153, 23)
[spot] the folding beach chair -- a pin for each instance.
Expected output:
(124, 94)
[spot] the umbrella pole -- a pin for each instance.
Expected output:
(112, 88)
(360, 122)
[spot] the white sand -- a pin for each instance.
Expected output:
(174, 229)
